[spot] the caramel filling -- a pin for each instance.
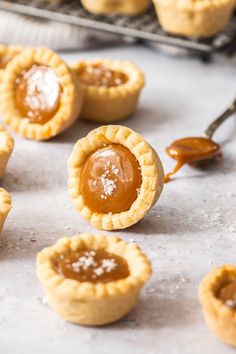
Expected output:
(99, 75)
(38, 94)
(92, 266)
(110, 180)
(191, 150)
(227, 294)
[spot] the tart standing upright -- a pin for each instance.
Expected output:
(111, 89)
(7, 53)
(39, 95)
(115, 177)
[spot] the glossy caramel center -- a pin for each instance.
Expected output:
(92, 266)
(227, 294)
(111, 179)
(191, 150)
(38, 94)
(99, 75)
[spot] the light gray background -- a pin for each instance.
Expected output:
(191, 229)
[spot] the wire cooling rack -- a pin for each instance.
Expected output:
(142, 27)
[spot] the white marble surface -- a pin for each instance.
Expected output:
(191, 229)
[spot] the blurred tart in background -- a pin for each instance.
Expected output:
(5, 206)
(6, 148)
(120, 7)
(92, 280)
(115, 177)
(217, 295)
(194, 18)
(111, 89)
(39, 95)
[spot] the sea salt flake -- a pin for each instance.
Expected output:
(230, 303)
(98, 271)
(109, 264)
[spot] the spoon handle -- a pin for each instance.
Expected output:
(215, 125)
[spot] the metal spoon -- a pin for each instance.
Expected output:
(217, 122)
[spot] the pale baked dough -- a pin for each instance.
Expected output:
(70, 101)
(196, 18)
(7, 53)
(119, 7)
(87, 303)
(5, 206)
(6, 148)
(151, 169)
(103, 104)
(220, 318)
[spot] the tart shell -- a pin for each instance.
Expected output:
(5, 206)
(121, 7)
(194, 18)
(220, 318)
(106, 105)
(6, 148)
(88, 303)
(7, 52)
(151, 170)
(70, 100)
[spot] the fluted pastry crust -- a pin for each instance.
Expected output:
(151, 170)
(6, 148)
(6, 52)
(120, 7)
(88, 303)
(5, 206)
(220, 318)
(70, 99)
(111, 104)
(196, 18)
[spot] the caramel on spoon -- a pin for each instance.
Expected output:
(197, 151)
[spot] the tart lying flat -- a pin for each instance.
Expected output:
(195, 18)
(122, 7)
(92, 279)
(111, 89)
(115, 177)
(5, 206)
(217, 295)
(39, 94)
(6, 148)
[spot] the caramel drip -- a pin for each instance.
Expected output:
(38, 94)
(110, 180)
(92, 266)
(193, 151)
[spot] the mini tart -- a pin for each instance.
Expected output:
(110, 104)
(6, 148)
(7, 53)
(69, 99)
(89, 303)
(220, 318)
(150, 167)
(5, 206)
(194, 18)
(119, 7)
